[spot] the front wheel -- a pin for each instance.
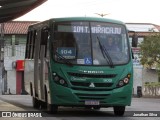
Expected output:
(119, 110)
(53, 109)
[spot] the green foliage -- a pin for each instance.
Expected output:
(150, 50)
(152, 84)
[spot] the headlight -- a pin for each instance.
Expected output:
(124, 81)
(59, 80)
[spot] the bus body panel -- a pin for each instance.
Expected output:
(75, 96)
(29, 76)
(68, 97)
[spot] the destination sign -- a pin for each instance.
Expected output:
(86, 29)
(106, 30)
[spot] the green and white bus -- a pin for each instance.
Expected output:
(68, 63)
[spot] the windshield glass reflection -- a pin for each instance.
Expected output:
(96, 43)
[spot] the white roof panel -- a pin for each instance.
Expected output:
(142, 27)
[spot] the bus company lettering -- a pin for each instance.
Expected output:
(81, 79)
(92, 72)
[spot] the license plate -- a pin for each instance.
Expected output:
(91, 102)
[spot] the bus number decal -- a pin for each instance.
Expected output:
(108, 80)
(67, 52)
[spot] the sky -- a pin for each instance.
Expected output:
(128, 11)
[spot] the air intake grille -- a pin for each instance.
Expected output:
(86, 84)
(92, 75)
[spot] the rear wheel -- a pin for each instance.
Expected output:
(36, 102)
(43, 105)
(119, 110)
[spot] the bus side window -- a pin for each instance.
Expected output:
(33, 38)
(44, 39)
(29, 45)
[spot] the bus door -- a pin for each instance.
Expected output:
(42, 61)
(36, 64)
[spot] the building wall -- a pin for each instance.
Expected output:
(137, 79)
(11, 54)
(14, 49)
(1, 81)
(11, 82)
(10, 57)
(149, 75)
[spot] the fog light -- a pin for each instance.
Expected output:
(61, 81)
(121, 83)
(54, 74)
(56, 78)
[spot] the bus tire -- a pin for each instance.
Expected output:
(36, 102)
(31, 89)
(52, 109)
(43, 105)
(119, 110)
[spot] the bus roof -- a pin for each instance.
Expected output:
(65, 19)
(86, 19)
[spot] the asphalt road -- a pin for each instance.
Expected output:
(149, 108)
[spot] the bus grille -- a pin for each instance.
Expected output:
(86, 84)
(92, 75)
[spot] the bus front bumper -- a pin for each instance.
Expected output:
(63, 96)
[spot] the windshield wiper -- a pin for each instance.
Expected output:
(105, 54)
(64, 59)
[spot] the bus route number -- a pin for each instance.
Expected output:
(67, 52)
(64, 52)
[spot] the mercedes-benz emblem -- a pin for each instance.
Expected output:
(92, 85)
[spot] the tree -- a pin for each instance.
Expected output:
(150, 51)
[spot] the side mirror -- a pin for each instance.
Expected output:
(134, 40)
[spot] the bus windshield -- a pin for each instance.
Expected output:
(90, 43)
